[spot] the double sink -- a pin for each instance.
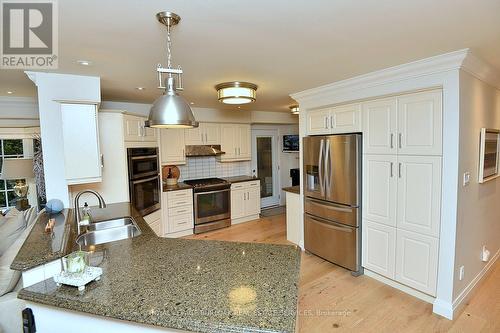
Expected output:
(109, 231)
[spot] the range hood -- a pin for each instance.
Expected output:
(203, 150)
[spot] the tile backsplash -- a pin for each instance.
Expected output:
(206, 167)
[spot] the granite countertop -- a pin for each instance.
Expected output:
(40, 247)
(239, 179)
(179, 186)
(186, 284)
(292, 189)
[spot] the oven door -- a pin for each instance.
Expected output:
(212, 206)
(145, 194)
(142, 166)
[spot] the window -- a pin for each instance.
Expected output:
(9, 149)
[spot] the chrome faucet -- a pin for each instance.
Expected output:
(78, 216)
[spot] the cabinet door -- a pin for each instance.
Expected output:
(194, 136)
(380, 126)
(172, 146)
(379, 248)
(149, 133)
(132, 128)
(244, 139)
(416, 261)
(318, 122)
(238, 197)
(229, 141)
(420, 124)
(211, 134)
(419, 194)
(82, 154)
(252, 203)
(346, 119)
(380, 188)
(181, 222)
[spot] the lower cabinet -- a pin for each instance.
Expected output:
(245, 201)
(177, 213)
(154, 221)
(406, 257)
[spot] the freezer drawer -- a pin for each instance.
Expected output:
(333, 212)
(331, 241)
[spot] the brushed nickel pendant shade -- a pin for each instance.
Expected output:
(170, 110)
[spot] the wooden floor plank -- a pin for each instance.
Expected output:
(332, 300)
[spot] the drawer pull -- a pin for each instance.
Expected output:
(179, 223)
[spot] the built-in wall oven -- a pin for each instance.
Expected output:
(144, 179)
(212, 204)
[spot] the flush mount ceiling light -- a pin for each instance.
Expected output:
(84, 62)
(236, 92)
(294, 108)
(170, 110)
(140, 88)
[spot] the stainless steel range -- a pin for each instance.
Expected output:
(212, 204)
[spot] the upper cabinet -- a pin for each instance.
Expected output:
(235, 142)
(136, 131)
(204, 134)
(82, 153)
(407, 125)
(172, 145)
(336, 120)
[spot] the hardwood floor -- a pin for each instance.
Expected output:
(331, 300)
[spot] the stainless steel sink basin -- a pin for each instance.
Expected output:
(110, 224)
(109, 231)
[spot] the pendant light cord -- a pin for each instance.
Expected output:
(169, 44)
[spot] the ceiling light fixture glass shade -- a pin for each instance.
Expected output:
(236, 92)
(170, 110)
(294, 109)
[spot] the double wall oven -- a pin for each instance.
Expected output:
(144, 179)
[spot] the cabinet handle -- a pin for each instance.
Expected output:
(326, 122)
(392, 173)
(102, 161)
(206, 137)
(239, 151)
(399, 170)
(400, 138)
(332, 122)
(392, 140)
(235, 151)
(201, 134)
(182, 222)
(184, 152)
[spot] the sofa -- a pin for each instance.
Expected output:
(15, 227)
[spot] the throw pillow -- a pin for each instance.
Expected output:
(10, 231)
(9, 278)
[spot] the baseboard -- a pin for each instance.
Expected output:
(466, 294)
(415, 293)
(245, 219)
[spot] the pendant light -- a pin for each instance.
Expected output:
(236, 92)
(294, 109)
(170, 110)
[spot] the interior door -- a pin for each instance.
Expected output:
(265, 165)
(313, 148)
(342, 169)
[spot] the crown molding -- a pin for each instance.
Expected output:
(461, 59)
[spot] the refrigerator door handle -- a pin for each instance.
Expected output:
(333, 206)
(328, 167)
(320, 167)
(329, 225)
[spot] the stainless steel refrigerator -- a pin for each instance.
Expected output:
(332, 199)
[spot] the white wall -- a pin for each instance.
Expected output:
(287, 161)
(478, 221)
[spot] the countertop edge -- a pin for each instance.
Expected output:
(292, 189)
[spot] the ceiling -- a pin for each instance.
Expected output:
(284, 46)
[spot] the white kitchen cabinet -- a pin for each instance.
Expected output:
(420, 123)
(380, 126)
(235, 142)
(379, 248)
(318, 121)
(82, 153)
(419, 194)
(416, 261)
(245, 201)
(336, 120)
(204, 134)
(154, 222)
(345, 119)
(177, 213)
(136, 131)
(172, 146)
(380, 183)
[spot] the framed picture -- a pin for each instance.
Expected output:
(489, 154)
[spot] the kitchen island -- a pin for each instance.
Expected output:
(159, 284)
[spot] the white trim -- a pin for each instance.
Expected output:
(481, 70)
(18, 132)
(245, 219)
(466, 294)
(399, 286)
